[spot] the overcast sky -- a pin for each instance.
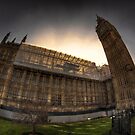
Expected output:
(67, 25)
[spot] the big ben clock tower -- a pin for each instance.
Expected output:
(120, 62)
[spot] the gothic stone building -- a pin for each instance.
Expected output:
(63, 82)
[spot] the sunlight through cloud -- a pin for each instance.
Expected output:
(87, 47)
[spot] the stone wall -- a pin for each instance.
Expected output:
(64, 118)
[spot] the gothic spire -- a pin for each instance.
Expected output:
(24, 39)
(99, 19)
(5, 38)
(13, 40)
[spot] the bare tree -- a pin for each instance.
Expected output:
(33, 113)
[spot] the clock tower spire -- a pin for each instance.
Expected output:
(120, 62)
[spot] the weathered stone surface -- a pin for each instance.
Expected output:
(38, 74)
(120, 62)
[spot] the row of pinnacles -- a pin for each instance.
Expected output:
(4, 41)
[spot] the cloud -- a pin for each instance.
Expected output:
(62, 24)
(74, 43)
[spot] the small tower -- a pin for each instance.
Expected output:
(5, 38)
(8, 52)
(120, 62)
(13, 41)
(24, 39)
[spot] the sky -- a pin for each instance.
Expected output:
(67, 26)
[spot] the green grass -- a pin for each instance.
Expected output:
(92, 127)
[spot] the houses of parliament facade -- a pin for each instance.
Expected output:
(62, 82)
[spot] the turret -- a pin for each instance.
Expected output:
(5, 38)
(24, 39)
(13, 41)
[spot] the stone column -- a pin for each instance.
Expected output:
(63, 91)
(7, 83)
(74, 91)
(36, 90)
(83, 93)
(92, 91)
(22, 84)
(50, 88)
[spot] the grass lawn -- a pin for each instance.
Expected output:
(92, 127)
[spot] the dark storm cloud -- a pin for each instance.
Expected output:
(61, 13)
(29, 16)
